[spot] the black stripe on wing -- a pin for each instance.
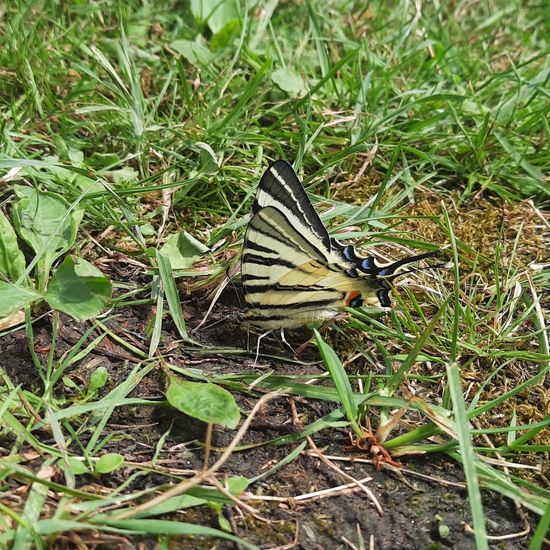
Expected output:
(247, 277)
(262, 288)
(273, 224)
(253, 245)
(301, 306)
(250, 317)
(281, 183)
(250, 258)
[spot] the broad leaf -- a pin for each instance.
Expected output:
(205, 401)
(108, 463)
(98, 379)
(289, 82)
(44, 222)
(12, 261)
(236, 486)
(79, 289)
(78, 467)
(13, 298)
(209, 162)
(182, 249)
(194, 52)
(226, 35)
(217, 13)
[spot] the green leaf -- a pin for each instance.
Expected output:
(289, 82)
(125, 174)
(217, 13)
(108, 463)
(102, 160)
(148, 230)
(205, 401)
(226, 35)
(166, 528)
(223, 522)
(209, 162)
(237, 484)
(98, 379)
(194, 52)
(212, 495)
(182, 249)
(44, 222)
(443, 530)
(79, 289)
(15, 297)
(12, 261)
(77, 466)
(171, 505)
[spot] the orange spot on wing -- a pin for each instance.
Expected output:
(351, 296)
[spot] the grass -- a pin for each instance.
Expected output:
(414, 126)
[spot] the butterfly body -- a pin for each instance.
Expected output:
(293, 272)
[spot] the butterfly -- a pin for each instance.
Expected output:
(293, 272)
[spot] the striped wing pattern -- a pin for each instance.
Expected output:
(292, 272)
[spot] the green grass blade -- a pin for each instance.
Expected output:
(172, 296)
(468, 456)
(407, 364)
(341, 381)
(541, 532)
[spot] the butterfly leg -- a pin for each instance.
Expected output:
(258, 344)
(303, 346)
(285, 342)
(322, 330)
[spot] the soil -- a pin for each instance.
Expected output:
(417, 512)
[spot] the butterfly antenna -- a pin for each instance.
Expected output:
(390, 269)
(391, 277)
(386, 274)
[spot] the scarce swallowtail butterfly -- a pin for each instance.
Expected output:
(293, 272)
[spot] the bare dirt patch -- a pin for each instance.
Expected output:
(418, 512)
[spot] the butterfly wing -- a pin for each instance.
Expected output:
(281, 189)
(292, 271)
